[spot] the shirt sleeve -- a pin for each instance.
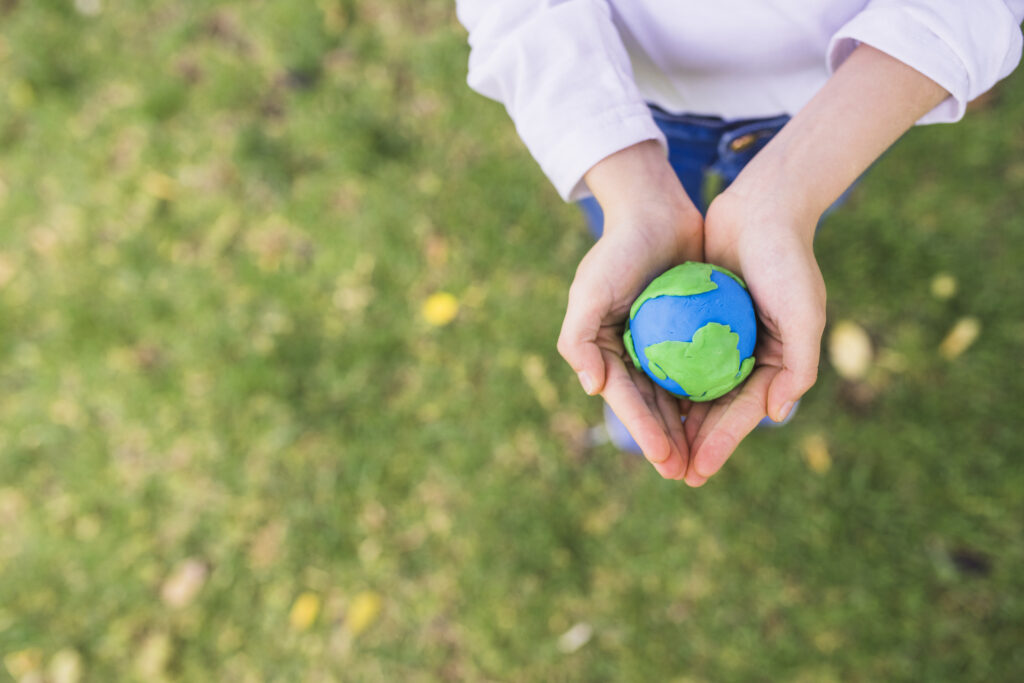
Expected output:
(564, 76)
(965, 46)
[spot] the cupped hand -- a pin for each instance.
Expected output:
(650, 225)
(769, 245)
(628, 256)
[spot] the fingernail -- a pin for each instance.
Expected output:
(701, 469)
(587, 381)
(784, 412)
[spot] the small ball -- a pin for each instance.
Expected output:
(693, 331)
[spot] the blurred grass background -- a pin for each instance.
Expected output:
(279, 397)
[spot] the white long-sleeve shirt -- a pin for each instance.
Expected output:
(575, 75)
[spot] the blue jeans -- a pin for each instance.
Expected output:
(707, 153)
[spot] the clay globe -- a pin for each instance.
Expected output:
(693, 331)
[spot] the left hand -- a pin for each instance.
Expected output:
(637, 245)
(650, 224)
(769, 245)
(762, 227)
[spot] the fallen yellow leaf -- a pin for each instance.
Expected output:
(440, 308)
(816, 455)
(362, 612)
(963, 334)
(304, 611)
(943, 286)
(849, 350)
(160, 185)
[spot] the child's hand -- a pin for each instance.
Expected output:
(650, 225)
(763, 224)
(769, 245)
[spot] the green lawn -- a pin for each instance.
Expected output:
(233, 447)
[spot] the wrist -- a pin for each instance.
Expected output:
(746, 216)
(637, 184)
(782, 185)
(863, 108)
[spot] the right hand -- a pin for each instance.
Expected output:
(769, 244)
(650, 226)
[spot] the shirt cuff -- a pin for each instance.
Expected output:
(589, 141)
(901, 34)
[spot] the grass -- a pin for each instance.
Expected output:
(232, 448)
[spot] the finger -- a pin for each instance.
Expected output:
(648, 430)
(801, 351)
(694, 419)
(694, 480)
(717, 441)
(577, 341)
(668, 406)
(710, 413)
(666, 412)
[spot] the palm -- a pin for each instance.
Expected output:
(607, 281)
(788, 292)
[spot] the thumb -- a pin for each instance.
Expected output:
(577, 341)
(801, 350)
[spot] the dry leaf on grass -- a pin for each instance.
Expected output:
(304, 611)
(440, 309)
(849, 350)
(815, 451)
(160, 185)
(943, 286)
(575, 638)
(960, 338)
(362, 612)
(182, 586)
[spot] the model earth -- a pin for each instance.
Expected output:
(693, 331)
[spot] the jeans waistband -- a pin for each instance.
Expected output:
(734, 138)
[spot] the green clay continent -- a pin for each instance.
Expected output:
(731, 274)
(627, 341)
(707, 367)
(685, 279)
